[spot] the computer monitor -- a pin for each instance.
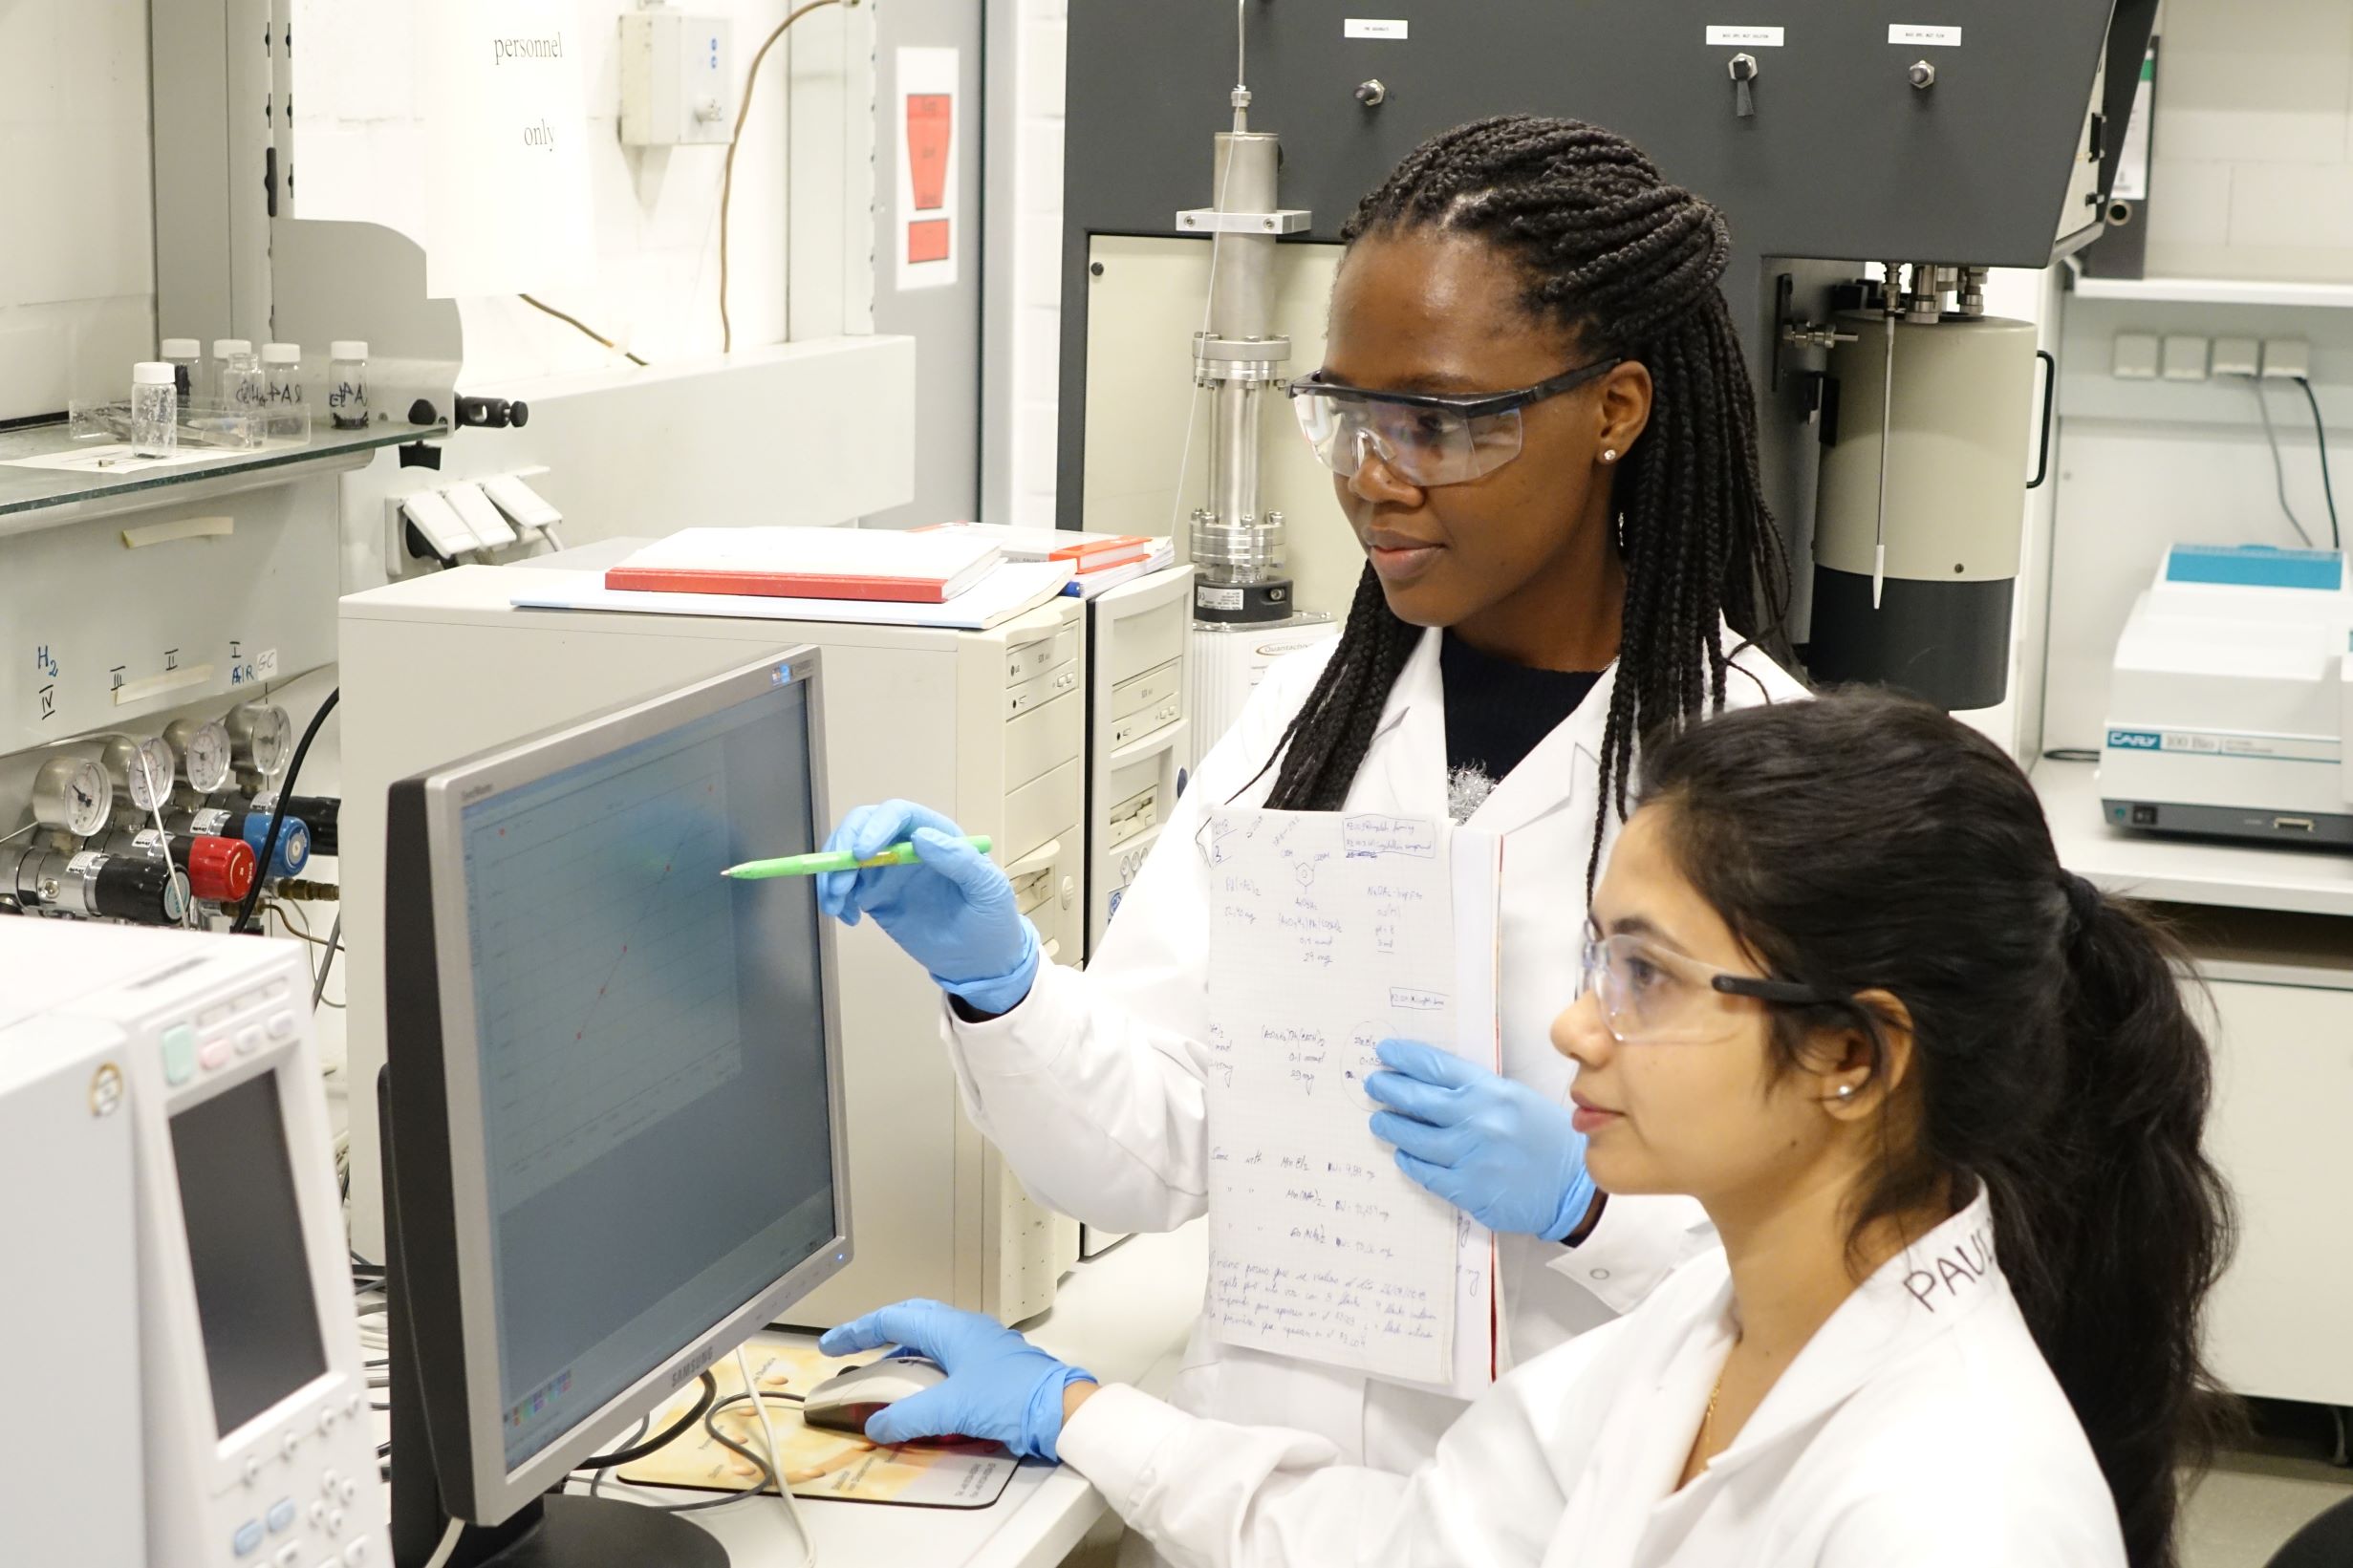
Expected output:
(613, 1091)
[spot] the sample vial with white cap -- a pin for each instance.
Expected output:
(155, 427)
(282, 373)
(347, 383)
(240, 384)
(185, 355)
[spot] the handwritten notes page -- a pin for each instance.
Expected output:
(1327, 934)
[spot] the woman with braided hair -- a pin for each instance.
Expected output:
(1542, 433)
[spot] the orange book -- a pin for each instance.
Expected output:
(1084, 551)
(785, 563)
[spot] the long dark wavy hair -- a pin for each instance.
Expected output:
(1611, 251)
(1866, 841)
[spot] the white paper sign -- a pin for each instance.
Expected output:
(506, 198)
(1744, 37)
(927, 231)
(1933, 38)
(1368, 27)
(1328, 934)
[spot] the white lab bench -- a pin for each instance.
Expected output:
(1123, 1315)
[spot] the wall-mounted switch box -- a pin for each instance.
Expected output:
(2136, 356)
(2238, 357)
(677, 79)
(2287, 357)
(2185, 359)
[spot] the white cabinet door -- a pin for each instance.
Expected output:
(2283, 1133)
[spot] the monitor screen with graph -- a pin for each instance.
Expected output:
(613, 1083)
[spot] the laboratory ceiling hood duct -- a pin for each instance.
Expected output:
(1814, 128)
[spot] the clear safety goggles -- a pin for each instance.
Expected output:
(1425, 438)
(1651, 995)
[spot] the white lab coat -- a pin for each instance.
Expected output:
(1919, 1428)
(1092, 1086)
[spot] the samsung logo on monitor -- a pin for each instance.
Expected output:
(2136, 740)
(692, 1366)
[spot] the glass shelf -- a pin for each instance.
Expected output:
(73, 492)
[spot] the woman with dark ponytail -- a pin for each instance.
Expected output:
(1945, 1105)
(1543, 437)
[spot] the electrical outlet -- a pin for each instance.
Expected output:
(2238, 357)
(2185, 359)
(2136, 358)
(2286, 359)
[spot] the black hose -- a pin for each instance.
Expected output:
(277, 814)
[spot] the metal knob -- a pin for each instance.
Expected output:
(1923, 74)
(1743, 69)
(1372, 94)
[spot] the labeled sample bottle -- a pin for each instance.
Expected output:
(347, 383)
(240, 374)
(155, 423)
(282, 373)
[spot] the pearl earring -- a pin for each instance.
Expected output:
(1609, 455)
(1845, 1091)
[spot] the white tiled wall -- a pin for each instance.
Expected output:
(2253, 145)
(1042, 27)
(77, 262)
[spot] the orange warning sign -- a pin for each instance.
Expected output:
(927, 240)
(930, 122)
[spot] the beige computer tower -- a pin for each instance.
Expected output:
(987, 726)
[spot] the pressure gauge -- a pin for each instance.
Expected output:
(204, 752)
(263, 737)
(141, 770)
(71, 793)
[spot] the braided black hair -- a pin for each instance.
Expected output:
(1630, 263)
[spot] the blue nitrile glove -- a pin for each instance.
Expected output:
(1496, 1149)
(951, 911)
(1000, 1386)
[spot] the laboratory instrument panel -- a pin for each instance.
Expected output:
(172, 1079)
(989, 726)
(166, 828)
(2231, 699)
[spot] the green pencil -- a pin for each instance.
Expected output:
(841, 860)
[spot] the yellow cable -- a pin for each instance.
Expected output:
(584, 326)
(726, 179)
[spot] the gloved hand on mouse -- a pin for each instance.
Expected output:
(953, 911)
(1494, 1148)
(1000, 1386)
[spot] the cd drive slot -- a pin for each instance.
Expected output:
(1031, 659)
(1039, 690)
(1149, 702)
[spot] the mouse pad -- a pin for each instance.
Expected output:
(817, 1463)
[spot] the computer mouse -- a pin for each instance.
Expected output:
(847, 1400)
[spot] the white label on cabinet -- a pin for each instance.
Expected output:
(1937, 37)
(1367, 27)
(266, 664)
(1744, 37)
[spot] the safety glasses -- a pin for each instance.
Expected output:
(1425, 438)
(1651, 995)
